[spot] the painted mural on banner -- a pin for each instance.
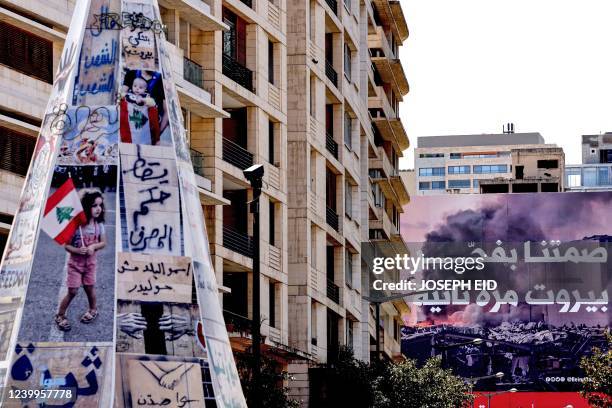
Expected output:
(109, 244)
(527, 273)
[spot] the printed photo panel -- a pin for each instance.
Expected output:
(8, 314)
(96, 80)
(150, 200)
(149, 381)
(80, 372)
(73, 268)
(91, 136)
(157, 310)
(144, 116)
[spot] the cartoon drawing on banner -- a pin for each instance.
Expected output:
(152, 208)
(144, 117)
(96, 81)
(76, 249)
(91, 137)
(81, 371)
(162, 381)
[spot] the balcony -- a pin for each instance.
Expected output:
(333, 5)
(237, 72)
(192, 72)
(237, 241)
(332, 218)
(237, 155)
(197, 159)
(331, 73)
(333, 291)
(331, 145)
(236, 323)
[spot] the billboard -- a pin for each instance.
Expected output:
(508, 283)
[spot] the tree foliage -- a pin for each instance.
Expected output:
(597, 385)
(269, 391)
(406, 385)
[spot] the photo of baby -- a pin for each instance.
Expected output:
(75, 250)
(144, 116)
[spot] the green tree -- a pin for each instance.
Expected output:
(406, 385)
(269, 391)
(597, 385)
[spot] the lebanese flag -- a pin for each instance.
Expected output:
(63, 213)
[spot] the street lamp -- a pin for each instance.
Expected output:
(254, 175)
(492, 394)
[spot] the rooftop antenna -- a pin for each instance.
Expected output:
(508, 128)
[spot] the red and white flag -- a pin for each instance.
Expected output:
(63, 213)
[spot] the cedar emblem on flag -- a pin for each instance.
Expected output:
(63, 213)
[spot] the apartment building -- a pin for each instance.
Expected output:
(312, 92)
(595, 172)
(534, 170)
(458, 163)
(344, 141)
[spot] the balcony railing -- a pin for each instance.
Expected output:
(238, 241)
(332, 218)
(331, 73)
(237, 155)
(236, 323)
(197, 159)
(331, 145)
(237, 72)
(333, 4)
(192, 72)
(333, 291)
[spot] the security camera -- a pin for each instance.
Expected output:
(254, 174)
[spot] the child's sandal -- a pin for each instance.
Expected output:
(89, 316)
(62, 323)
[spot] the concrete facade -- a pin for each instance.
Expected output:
(291, 85)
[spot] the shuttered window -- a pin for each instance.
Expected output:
(16, 151)
(26, 53)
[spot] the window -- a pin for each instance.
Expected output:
(272, 217)
(272, 303)
(438, 185)
(349, 333)
(348, 269)
(271, 142)
(458, 169)
(424, 185)
(347, 4)
(271, 62)
(431, 171)
(348, 131)
(348, 201)
(313, 84)
(603, 176)
(475, 183)
(26, 52)
(430, 155)
(455, 155)
(548, 164)
(396, 330)
(573, 177)
(589, 176)
(347, 61)
(493, 168)
(458, 183)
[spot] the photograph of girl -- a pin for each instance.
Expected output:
(75, 250)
